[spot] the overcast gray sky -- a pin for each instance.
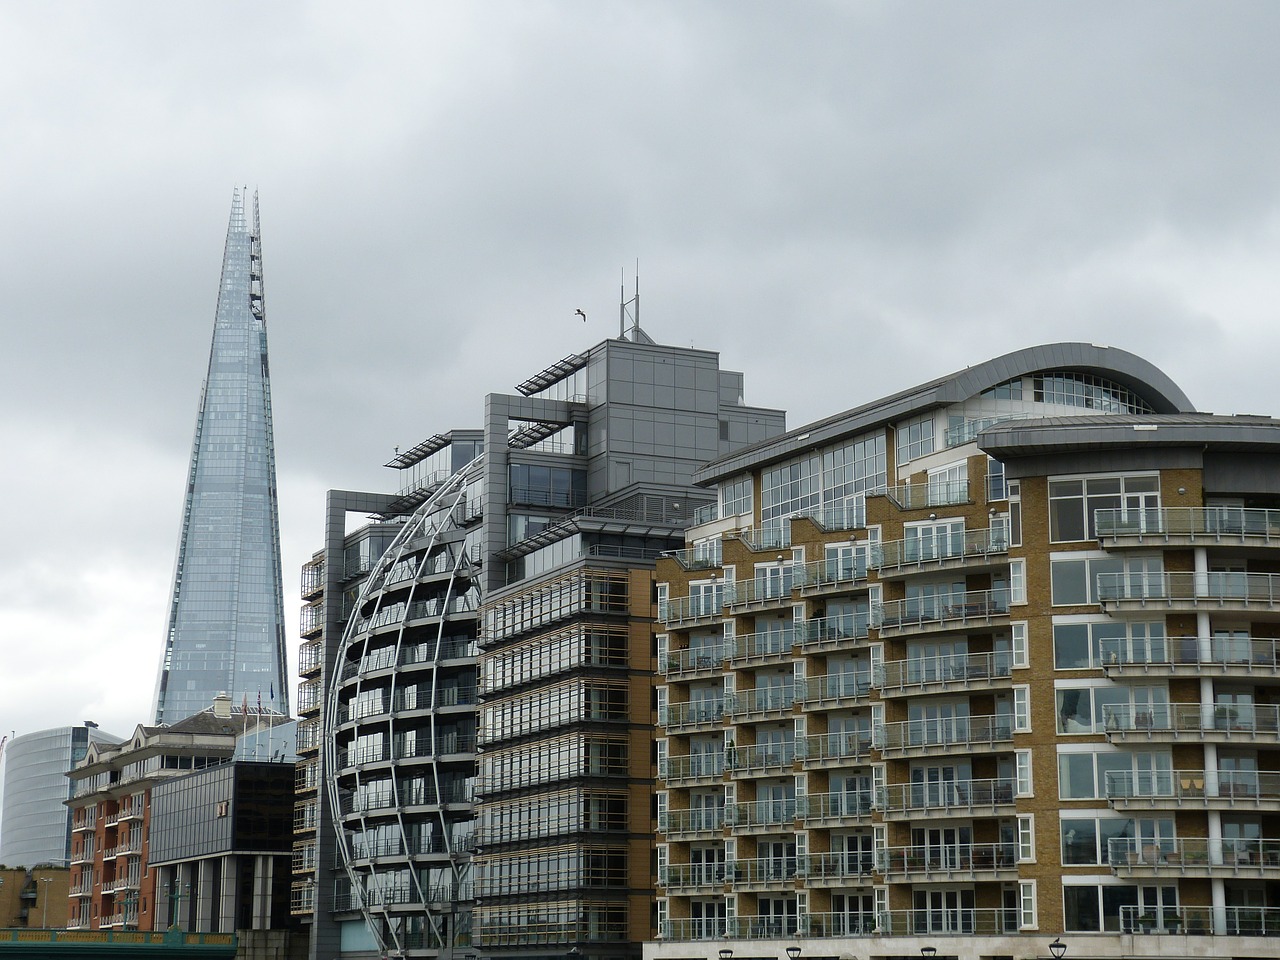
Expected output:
(842, 198)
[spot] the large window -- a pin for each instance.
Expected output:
(546, 486)
(915, 438)
(1072, 502)
(791, 488)
(1084, 646)
(736, 497)
(1087, 390)
(1093, 908)
(853, 468)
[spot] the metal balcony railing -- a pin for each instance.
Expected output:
(758, 813)
(678, 662)
(959, 609)
(950, 670)
(761, 700)
(1230, 921)
(953, 796)
(853, 745)
(698, 606)
(836, 688)
(1191, 524)
(946, 732)
(898, 555)
(954, 858)
(703, 556)
(683, 875)
(1194, 720)
(1215, 588)
(919, 496)
(835, 806)
(832, 572)
(763, 644)
(769, 756)
(1193, 854)
(822, 631)
(696, 712)
(1243, 652)
(1183, 787)
(774, 537)
(692, 766)
(952, 921)
(760, 591)
(693, 821)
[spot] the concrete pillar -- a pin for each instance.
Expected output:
(227, 918)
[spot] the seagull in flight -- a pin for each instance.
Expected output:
(579, 313)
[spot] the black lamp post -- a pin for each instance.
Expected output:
(1058, 948)
(928, 952)
(793, 953)
(726, 953)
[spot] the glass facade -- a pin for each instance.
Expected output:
(226, 618)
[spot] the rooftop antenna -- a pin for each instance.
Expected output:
(632, 314)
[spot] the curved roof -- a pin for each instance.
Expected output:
(1206, 431)
(1127, 369)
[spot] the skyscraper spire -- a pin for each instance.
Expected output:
(226, 618)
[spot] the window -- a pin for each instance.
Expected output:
(1082, 776)
(1018, 581)
(1072, 502)
(1015, 512)
(1019, 643)
(1073, 389)
(1009, 390)
(1086, 841)
(996, 489)
(1026, 838)
(1088, 645)
(1022, 760)
(736, 496)
(915, 438)
(791, 488)
(1092, 908)
(1074, 581)
(1022, 709)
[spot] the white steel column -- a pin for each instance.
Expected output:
(1204, 636)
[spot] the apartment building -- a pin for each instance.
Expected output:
(482, 690)
(984, 668)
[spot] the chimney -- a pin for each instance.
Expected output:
(222, 707)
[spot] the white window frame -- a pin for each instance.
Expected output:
(1021, 708)
(1026, 838)
(1028, 913)
(1024, 774)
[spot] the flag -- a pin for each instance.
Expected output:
(244, 704)
(259, 703)
(273, 691)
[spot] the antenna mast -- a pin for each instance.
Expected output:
(633, 303)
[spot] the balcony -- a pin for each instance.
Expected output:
(762, 814)
(1168, 722)
(693, 877)
(1255, 594)
(1230, 922)
(692, 823)
(310, 657)
(759, 593)
(703, 556)
(762, 647)
(953, 612)
(955, 798)
(922, 496)
(945, 736)
(762, 702)
(834, 690)
(963, 550)
(1188, 526)
(822, 633)
(986, 922)
(837, 748)
(760, 539)
(694, 928)
(691, 610)
(763, 873)
(839, 868)
(761, 758)
(851, 514)
(836, 809)
(1257, 859)
(692, 768)
(842, 924)
(940, 863)
(691, 716)
(942, 674)
(694, 661)
(1221, 656)
(1224, 790)
(834, 575)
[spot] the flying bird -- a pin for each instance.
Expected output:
(579, 313)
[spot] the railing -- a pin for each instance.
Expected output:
(677, 662)
(762, 870)
(1215, 524)
(699, 928)
(831, 806)
(767, 643)
(850, 515)
(757, 539)
(953, 858)
(501, 933)
(1193, 853)
(694, 820)
(968, 922)
(678, 875)
(947, 732)
(918, 496)
(834, 571)
(764, 927)
(974, 606)
(760, 590)
(840, 865)
(703, 556)
(1233, 651)
(761, 813)
(693, 607)
(836, 687)
(1212, 587)
(692, 766)
(226, 942)
(1189, 786)
(953, 795)
(707, 513)
(969, 430)
(842, 924)
(918, 552)
(692, 713)
(854, 745)
(761, 700)
(762, 756)
(946, 669)
(1194, 719)
(1232, 922)
(833, 629)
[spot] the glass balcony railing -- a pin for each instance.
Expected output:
(1211, 588)
(1236, 651)
(946, 732)
(954, 858)
(933, 493)
(762, 813)
(852, 745)
(1194, 720)
(958, 669)
(1187, 787)
(836, 687)
(952, 796)
(835, 806)
(1191, 524)
(974, 606)
(898, 555)
(1193, 854)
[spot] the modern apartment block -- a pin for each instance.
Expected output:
(987, 668)
(226, 617)
(481, 683)
(146, 856)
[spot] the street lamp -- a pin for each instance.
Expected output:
(793, 953)
(44, 922)
(1058, 948)
(726, 953)
(928, 952)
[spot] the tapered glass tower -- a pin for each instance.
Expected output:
(226, 619)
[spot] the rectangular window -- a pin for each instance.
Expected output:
(1086, 646)
(1021, 709)
(996, 489)
(1015, 512)
(1017, 581)
(1025, 784)
(736, 497)
(1074, 502)
(1026, 838)
(915, 438)
(1019, 643)
(1074, 581)
(1027, 919)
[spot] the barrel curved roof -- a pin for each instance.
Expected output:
(1138, 375)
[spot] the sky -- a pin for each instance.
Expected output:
(842, 198)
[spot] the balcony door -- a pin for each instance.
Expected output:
(936, 785)
(937, 722)
(944, 911)
(935, 540)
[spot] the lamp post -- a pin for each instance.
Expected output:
(726, 953)
(44, 921)
(1058, 948)
(793, 953)
(928, 952)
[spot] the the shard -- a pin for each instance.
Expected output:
(226, 618)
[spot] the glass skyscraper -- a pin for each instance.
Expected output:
(226, 619)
